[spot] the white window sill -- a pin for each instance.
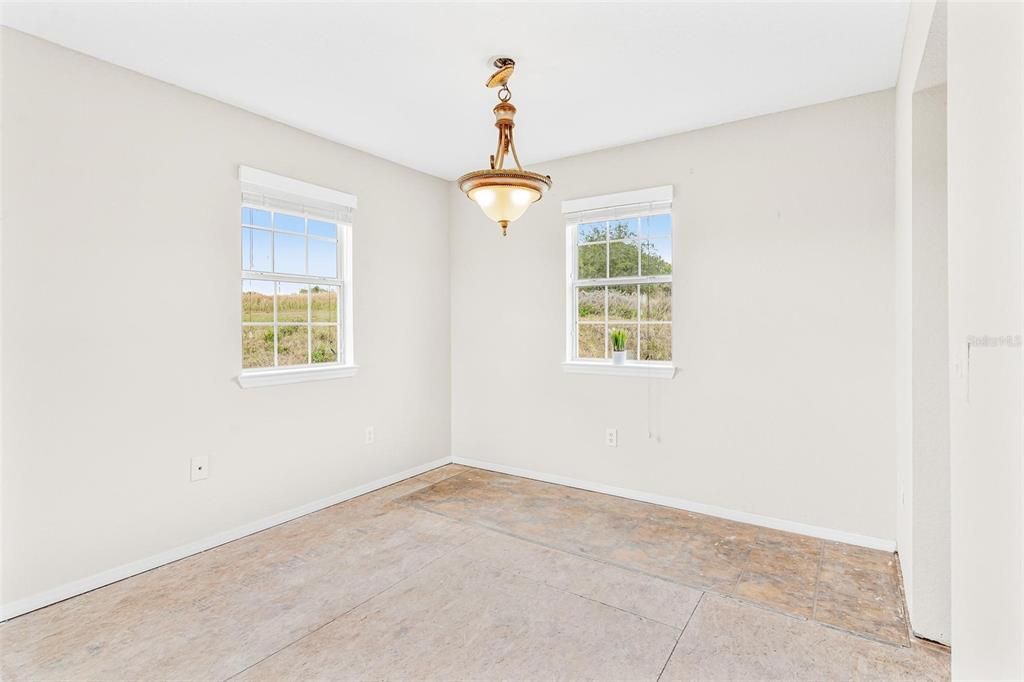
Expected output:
(294, 375)
(655, 370)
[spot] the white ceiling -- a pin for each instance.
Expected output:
(405, 81)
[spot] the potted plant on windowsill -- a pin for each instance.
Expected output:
(618, 346)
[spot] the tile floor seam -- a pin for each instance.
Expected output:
(299, 639)
(817, 583)
(350, 610)
(699, 588)
(441, 480)
(598, 601)
(676, 645)
(793, 616)
(631, 569)
(862, 635)
(537, 581)
(746, 564)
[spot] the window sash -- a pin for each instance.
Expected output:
(309, 324)
(341, 243)
(343, 229)
(607, 322)
(575, 284)
(607, 325)
(572, 225)
(288, 277)
(625, 281)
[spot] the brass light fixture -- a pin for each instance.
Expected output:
(504, 194)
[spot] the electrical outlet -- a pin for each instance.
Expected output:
(200, 467)
(371, 436)
(611, 438)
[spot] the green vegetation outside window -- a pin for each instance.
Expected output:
(621, 278)
(292, 288)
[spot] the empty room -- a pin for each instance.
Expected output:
(511, 341)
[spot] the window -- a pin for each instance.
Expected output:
(296, 288)
(619, 274)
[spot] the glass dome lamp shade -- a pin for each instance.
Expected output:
(504, 194)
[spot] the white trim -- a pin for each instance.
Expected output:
(570, 292)
(68, 590)
(625, 282)
(649, 195)
(630, 369)
(696, 507)
(292, 375)
(291, 188)
(348, 343)
(346, 362)
(97, 580)
(659, 202)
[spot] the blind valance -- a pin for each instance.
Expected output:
(263, 189)
(650, 201)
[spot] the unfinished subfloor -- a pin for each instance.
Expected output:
(466, 574)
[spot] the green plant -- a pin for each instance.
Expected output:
(618, 340)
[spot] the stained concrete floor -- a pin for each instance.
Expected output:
(466, 574)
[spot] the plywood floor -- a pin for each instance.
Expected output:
(466, 574)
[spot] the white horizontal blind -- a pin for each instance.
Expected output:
(632, 204)
(618, 212)
(263, 189)
(276, 201)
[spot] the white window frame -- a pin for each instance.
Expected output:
(636, 203)
(310, 202)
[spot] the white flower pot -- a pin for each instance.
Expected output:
(618, 357)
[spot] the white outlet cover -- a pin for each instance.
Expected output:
(611, 438)
(371, 435)
(199, 467)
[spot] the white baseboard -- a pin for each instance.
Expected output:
(687, 505)
(123, 571)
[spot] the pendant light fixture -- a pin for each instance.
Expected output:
(504, 194)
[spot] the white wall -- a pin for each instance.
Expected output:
(922, 323)
(930, 371)
(784, 324)
(121, 341)
(2, 213)
(986, 213)
(914, 41)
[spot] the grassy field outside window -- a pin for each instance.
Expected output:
(292, 290)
